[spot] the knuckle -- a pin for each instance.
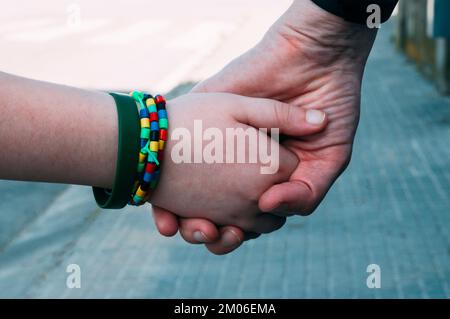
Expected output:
(282, 113)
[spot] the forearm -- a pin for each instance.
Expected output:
(55, 133)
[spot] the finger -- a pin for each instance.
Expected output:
(282, 210)
(267, 223)
(288, 198)
(198, 231)
(231, 238)
(251, 235)
(290, 119)
(165, 221)
(308, 184)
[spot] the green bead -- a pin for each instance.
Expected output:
(145, 133)
(138, 96)
(141, 167)
(153, 157)
(163, 124)
(152, 108)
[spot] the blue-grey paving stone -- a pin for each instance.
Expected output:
(20, 203)
(391, 208)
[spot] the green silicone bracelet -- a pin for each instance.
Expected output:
(127, 156)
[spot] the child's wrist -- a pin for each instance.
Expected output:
(142, 137)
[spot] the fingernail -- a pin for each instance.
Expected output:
(315, 117)
(230, 239)
(200, 236)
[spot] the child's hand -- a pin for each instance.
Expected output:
(227, 193)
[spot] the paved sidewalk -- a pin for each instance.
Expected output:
(391, 208)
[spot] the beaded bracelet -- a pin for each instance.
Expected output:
(154, 126)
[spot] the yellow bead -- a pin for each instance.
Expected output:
(145, 122)
(161, 144)
(154, 146)
(142, 157)
(150, 102)
(136, 185)
(140, 193)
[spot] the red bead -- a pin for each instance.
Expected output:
(150, 168)
(163, 134)
(153, 117)
(160, 99)
(160, 156)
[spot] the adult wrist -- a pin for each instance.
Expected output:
(309, 27)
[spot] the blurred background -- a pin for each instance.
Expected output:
(391, 207)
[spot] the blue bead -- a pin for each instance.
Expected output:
(143, 142)
(143, 113)
(154, 126)
(162, 114)
(147, 177)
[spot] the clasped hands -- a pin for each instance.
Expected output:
(304, 78)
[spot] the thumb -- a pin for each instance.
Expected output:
(290, 119)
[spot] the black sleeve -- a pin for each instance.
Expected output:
(356, 10)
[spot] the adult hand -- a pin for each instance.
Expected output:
(312, 59)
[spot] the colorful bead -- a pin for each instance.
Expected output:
(154, 182)
(141, 167)
(154, 126)
(137, 95)
(143, 113)
(162, 114)
(140, 193)
(163, 124)
(163, 134)
(154, 146)
(135, 186)
(145, 123)
(153, 137)
(160, 99)
(145, 133)
(150, 102)
(147, 177)
(150, 168)
(152, 156)
(153, 117)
